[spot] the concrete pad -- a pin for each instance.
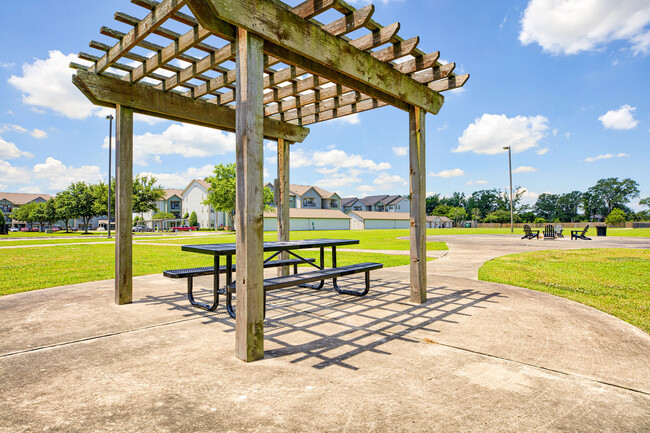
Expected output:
(476, 357)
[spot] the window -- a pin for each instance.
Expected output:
(175, 205)
(309, 202)
(334, 204)
(6, 208)
(358, 208)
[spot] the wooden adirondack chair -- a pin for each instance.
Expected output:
(558, 231)
(575, 234)
(529, 234)
(549, 232)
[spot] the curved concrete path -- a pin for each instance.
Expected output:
(477, 356)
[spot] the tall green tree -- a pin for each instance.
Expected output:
(193, 220)
(146, 194)
(568, 205)
(432, 201)
(593, 205)
(82, 198)
(645, 202)
(615, 193)
(39, 216)
(222, 194)
(51, 216)
(457, 214)
(485, 201)
(64, 206)
(616, 216)
(24, 213)
(546, 206)
(2, 223)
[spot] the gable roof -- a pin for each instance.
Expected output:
(348, 201)
(322, 192)
(366, 215)
(311, 213)
(393, 199)
(201, 182)
(444, 219)
(19, 198)
(373, 199)
(169, 193)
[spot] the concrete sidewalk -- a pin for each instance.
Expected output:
(477, 357)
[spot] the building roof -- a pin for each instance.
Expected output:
(348, 201)
(393, 199)
(323, 193)
(201, 182)
(311, 213)
(169, 193)
(19, 198)
(372, 200)
(366, 215)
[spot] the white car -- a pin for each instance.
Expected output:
(13, 229)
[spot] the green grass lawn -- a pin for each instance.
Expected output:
(25, 269)
(369, 239)
(14, 243)
(627, 232)
(612, 280)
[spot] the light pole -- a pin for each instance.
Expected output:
(512, 220)
(110, 136)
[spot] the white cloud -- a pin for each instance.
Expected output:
(400, 151)
(181, 179)
(477, 182)
(606, 156)
(36, 133)
(619, 119)
(9, 150)
(524, 169)
(490, 133)
(386, 180)
(352, 119)
(448, 173)
(58, 176)
(47, 84)
(39, 134)
(7, 65)
(335, 158)
(183, 139)
(542, 151)
(572, 26)
(13, 175)
(528, 197)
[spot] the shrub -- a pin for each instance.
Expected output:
(539, 220)
(193, 220)
(617, 216)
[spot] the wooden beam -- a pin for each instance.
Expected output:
(145, 99)
(417, 158)
(304, 44)
(282, 194)
(450, 83)
(153, 20)
(249, 217)
(124, 205)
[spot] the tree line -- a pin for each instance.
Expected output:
(85, 201)
(607, 198)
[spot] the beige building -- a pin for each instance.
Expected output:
(310, 219)
(365, 220)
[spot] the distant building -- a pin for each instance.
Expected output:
(172, 203)
(377, 203)
(192, 201)
(310, 219)
(310, 197)
(439, 222)
(366, 220)
(13, 200)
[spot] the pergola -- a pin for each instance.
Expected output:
(262, 69)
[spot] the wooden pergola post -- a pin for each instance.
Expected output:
(124, 205)
(418, 205)
(249, 217)
(282, 194)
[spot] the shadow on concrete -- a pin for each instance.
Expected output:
(326, 329)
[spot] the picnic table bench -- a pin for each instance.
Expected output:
(297, 279)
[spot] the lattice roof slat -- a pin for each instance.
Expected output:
(293, 93)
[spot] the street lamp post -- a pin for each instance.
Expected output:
(512, 220)
(110, 136)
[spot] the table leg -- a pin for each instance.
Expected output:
(322, 266)
(202, 305)
(344, 291)
(229, 307)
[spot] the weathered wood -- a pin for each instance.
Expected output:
(304, 44)
(450, 83)
(249, 216)
(154, 19)
(282, 195)
(124, 205)
(417, 157)
(145, 99)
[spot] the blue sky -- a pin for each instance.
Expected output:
(565, 83)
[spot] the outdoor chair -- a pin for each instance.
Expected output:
(529, 234)
(576, 234)
(549, 232)
(558, 231)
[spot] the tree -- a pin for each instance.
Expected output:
(540, 220)
(38, 215)
(567, 206)
(616, 216)
(51, 215)
(615, 193)
(146, 194)
(193, 220)
(476, 214)
(457, 214)
(440, 210)
(593, 205)
(546, 206)
(186, 216)
(485, 201)
(223, 190)
(24, 213)
(83, 201)
(64, 207)
(432, 202)
(645, 202)
(163, 215)
(2, 223)
(498, 216)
